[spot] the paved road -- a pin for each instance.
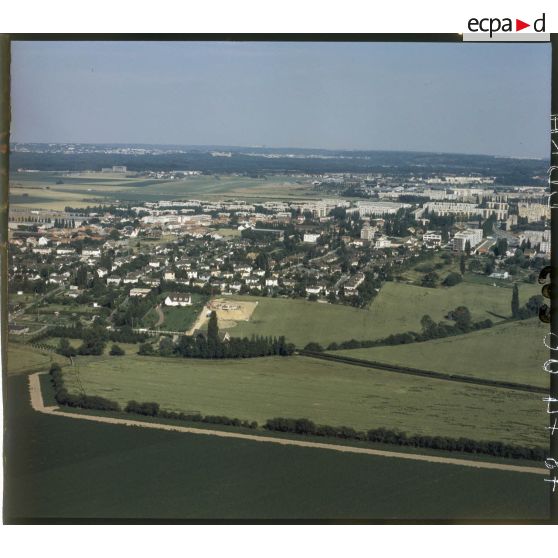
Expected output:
(38, 405)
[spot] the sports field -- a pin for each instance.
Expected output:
(326, 392)
(397, 308)
(512, 352)
(61, 468)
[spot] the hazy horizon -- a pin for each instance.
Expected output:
(471, 99)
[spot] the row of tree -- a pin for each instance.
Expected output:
(82, 400)
(200, 346)
(430, 330)
(529, 310)
(307, 427)
(153, 409)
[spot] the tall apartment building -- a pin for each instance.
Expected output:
(473, 236)
(432, 238)
(367, 233)
(533, 211)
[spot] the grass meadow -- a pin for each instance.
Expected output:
(23, 359)
(326, 392)
(511, 352)
(181, 318)
(397, 308)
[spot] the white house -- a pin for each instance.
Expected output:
(178, 299)
(311, 238)
(140, 293)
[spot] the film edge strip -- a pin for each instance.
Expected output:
(546, 316)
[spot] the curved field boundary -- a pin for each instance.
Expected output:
(39, 406)
(425, 373)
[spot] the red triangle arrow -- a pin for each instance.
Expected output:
(519, 25)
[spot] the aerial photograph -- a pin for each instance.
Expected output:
(277, 281)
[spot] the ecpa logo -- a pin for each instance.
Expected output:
(496, 25)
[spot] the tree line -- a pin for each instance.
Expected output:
(200, 346)
(152, 409)
(307, 427)
(301, 426)
(81, 400)
(430, 330)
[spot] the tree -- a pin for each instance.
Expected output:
(81, 277)
(166, 347)
(65, 349)
(94, 339)
(430, 280)
(428, 324)
(462, 317)
(452, 279)
(462, 265)
(213, 328)
(116, 350)
(146, 349)
(515, 301)
(501, 247)
(468, 248)
(262, 261)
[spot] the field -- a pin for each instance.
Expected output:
(415, 276)
(397, 308)
(326, 392)
(231, 312)
(59, 468)
(128, 348)
(511, 352)
(23, 358)
(40, 189)
(182, 318)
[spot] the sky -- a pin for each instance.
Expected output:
(485, 98)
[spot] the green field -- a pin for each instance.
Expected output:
(416, 276)
(181, 318)
(60, 468)
(128, 348)
(397, 308)
(511, 352)
(326, 392)
(24, 358)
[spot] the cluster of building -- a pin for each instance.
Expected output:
(216, 245)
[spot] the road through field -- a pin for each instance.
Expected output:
(38, 405)
(200, 320)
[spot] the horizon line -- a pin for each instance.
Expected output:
(343, 149)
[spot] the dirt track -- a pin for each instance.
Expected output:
(200, 320)
(38, 405)
(160, 316)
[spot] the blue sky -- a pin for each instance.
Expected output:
(460, 98)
